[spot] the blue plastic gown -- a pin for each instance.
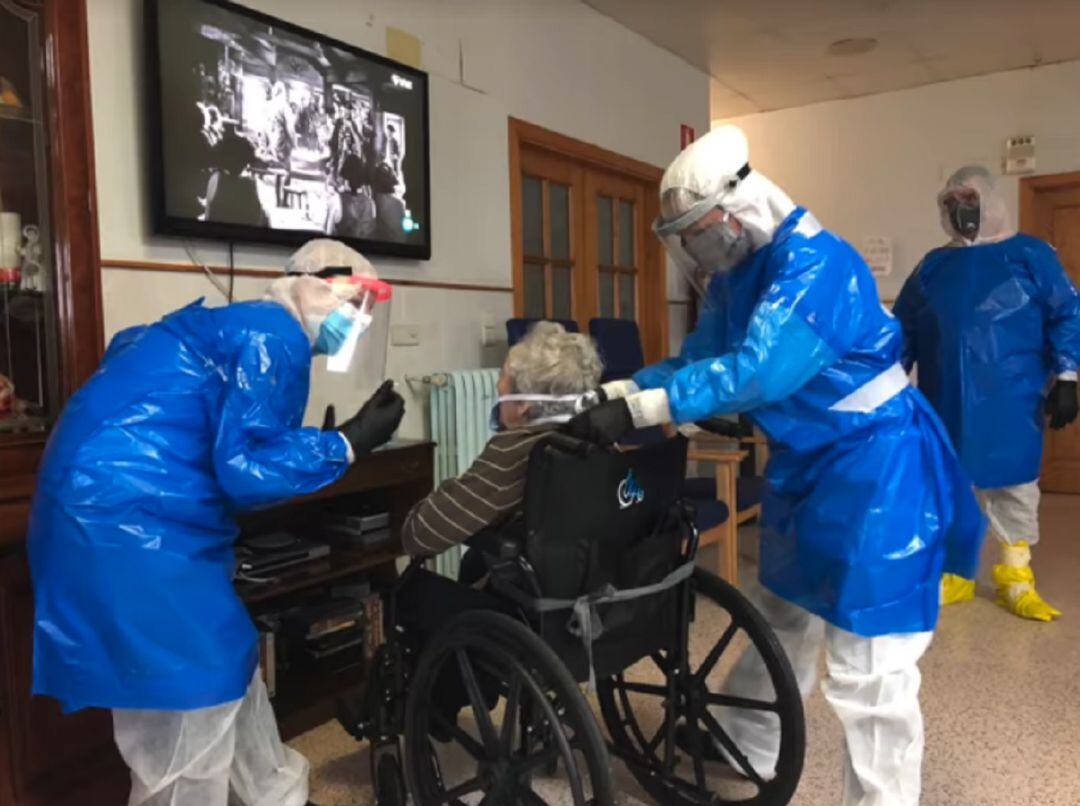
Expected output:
(187, 422)
(988, 326)
(862, 510)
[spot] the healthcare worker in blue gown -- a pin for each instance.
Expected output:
(992, 323)
(187, 423)
(865, 504)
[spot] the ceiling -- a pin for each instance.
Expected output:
(772, 54)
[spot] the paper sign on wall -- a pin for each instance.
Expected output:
(877, 252)
(401, 46)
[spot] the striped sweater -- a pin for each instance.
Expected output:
(488, 493)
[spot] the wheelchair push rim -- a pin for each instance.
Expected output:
(523, 718)
(677, 761)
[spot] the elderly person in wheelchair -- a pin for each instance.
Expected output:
(581, 569)
(541, 382)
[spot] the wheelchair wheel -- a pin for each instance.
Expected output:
(671, 722)
(491, 713)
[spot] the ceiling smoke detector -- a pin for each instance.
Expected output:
(852, 47)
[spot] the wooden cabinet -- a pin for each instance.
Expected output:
(392, 479)
(49, 758)
(50, 341)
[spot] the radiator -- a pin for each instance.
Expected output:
(460, 406)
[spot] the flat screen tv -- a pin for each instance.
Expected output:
(262, 131)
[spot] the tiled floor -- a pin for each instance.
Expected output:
(1001, 697)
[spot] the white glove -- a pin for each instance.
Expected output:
(649, 408)
(617, 389)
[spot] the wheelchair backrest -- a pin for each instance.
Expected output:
(583, 513)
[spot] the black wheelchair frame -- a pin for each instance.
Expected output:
(508, 668)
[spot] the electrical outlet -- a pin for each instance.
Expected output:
(405, 335)
(490, 335)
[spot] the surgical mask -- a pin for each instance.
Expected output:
(718, 248)
(572, 403)
(964, 218)
(340, 331)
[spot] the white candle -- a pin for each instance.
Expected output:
(10, 240)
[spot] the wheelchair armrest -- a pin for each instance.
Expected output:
(569, 444)
(511, 570)
(415, 564)
(510, 548)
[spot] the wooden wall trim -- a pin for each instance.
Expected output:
(517, 247)
(269, 274)
(523, 133)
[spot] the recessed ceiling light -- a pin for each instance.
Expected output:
(852, 47)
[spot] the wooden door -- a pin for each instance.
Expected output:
(551, 283)
(581, 235)
(614, 231)
(1050, 209)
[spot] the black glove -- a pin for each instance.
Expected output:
(376, 421)
(722, 427)
(1061, 405)
(603, 424)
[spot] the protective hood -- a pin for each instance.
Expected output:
(715, 172)
(994, 221)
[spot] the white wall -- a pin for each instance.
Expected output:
(556, 63)
(873, 166)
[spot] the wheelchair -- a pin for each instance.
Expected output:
(596, 585)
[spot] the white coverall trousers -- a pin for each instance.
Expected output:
(194, 758)
(1013, 512)
(871, 683)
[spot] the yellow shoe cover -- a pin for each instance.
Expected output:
(1016, 585)
(956, 589)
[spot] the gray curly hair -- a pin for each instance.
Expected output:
(551, 361)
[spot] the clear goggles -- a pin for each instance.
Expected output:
(544, 409)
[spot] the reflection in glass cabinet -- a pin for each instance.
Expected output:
(28, 355)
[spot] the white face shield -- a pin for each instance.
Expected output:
(336, 295)
(358, 316)
(350, 361)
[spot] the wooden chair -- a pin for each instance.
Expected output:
(725, 458)
(740, 494)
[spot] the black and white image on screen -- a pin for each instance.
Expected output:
(264, 128)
